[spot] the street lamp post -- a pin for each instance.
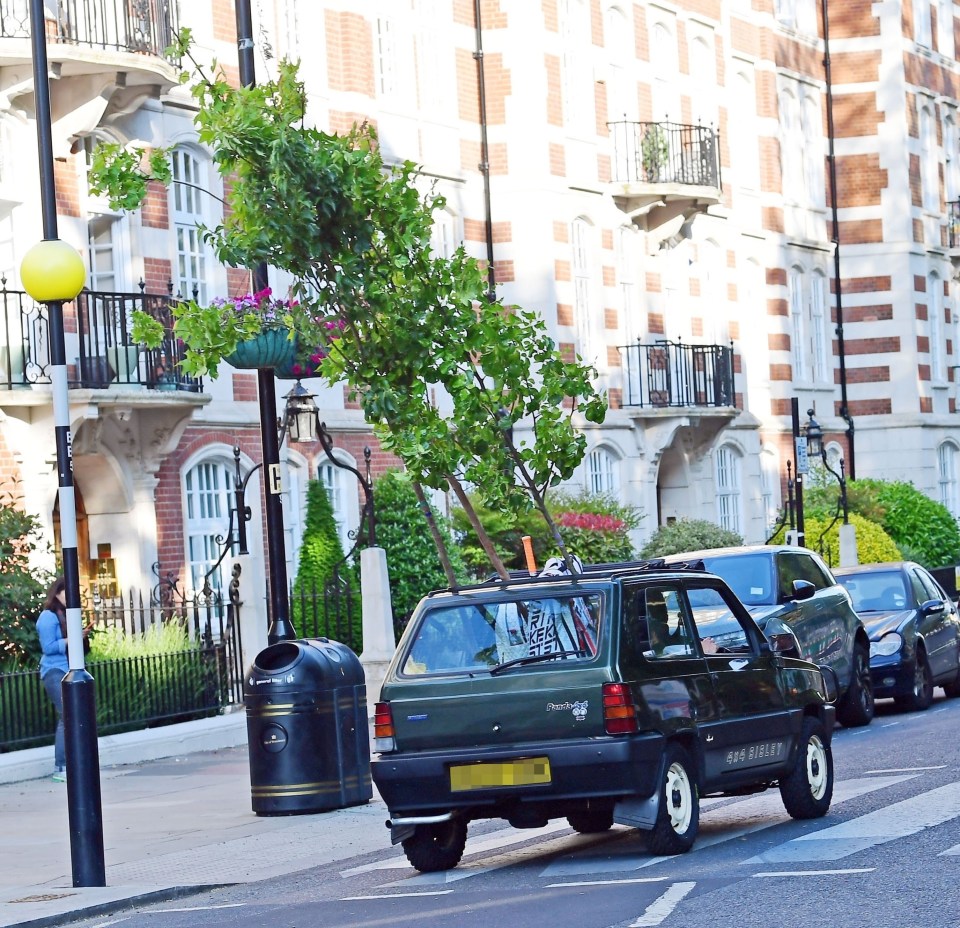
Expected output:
(799, 469)
(280, 626)
(816, 448)
(53, 273)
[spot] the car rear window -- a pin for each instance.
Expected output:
(876, 591)
(470, 637)
(750, 576)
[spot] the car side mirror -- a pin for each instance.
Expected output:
(932, 607)
(802, 589)
(784, 643)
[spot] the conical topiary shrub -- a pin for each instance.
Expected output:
(318, 608)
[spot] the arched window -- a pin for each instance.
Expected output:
(603, 476)
(808, 319)
(665, 65)
(947, 466)
(577, 76)
(729, 500)
(621, 88)
(332, 477)
(791, 146)
(187, 190)
(207, 489)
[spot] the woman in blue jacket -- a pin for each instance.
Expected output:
(51, 630)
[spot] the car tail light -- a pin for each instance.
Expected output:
(383, 733)
(619, 712)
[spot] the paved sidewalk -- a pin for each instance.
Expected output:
(169, 825)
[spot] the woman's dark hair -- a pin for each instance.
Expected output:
(51, 602)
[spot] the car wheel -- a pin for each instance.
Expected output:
(920, 697)
(436, 847)
(591, 821)
(857, 705)
(678, 814)
(808, 789)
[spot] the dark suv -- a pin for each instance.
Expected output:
(783, 585)
(622, 694)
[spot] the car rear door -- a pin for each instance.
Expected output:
(751, 729)
(938, 628)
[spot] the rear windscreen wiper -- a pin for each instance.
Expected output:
(535, 659)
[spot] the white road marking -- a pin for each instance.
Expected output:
(660, 908)
(638, 879)
(950, 852)
(436, 892)
(899, 820)
(905, 769)
(891, 724)
(204, 908)
(815, 872)
(727, 823)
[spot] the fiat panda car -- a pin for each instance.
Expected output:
(621, 694)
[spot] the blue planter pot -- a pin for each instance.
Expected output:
(271, 348)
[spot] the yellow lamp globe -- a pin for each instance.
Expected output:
(52, 271)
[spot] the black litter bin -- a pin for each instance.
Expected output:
(307, 733)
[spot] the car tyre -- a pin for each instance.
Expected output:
(920, 697)
(857, 707)
(678, 814)
(591, 821)
(808, 789)
(436, 847)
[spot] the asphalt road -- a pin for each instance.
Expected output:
(886, 856)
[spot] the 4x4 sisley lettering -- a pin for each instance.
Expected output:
(622, 694)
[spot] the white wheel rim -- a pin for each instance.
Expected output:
(816, 767)
(679, 796)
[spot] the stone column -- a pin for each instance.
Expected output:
(378, 637)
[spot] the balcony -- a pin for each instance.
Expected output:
(663, 172)
(101, 355)
(669, 375)
(106, 57)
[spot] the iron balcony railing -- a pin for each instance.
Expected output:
(145, 27)
(953, 224)
(100, 350)
(665, 152)
(671, 374)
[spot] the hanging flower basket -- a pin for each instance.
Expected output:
(271, 347)
(303, 363)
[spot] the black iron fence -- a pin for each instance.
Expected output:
(332, 610)
(665, 152)
(666, 374)
(145, 27)
(100, 352)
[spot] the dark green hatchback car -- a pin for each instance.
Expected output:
(622, 694)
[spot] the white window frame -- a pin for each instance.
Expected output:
(922, 27)
(187, 212)
(576, 75)
(582, 267)
(818, 327)
(621, 86)
(936, 327)
(603, 477)
(798, 346)
(207, 500)
(727, 472)
(929, 158)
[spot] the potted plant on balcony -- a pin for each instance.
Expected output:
(655, 152)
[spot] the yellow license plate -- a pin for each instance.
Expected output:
(524, 771)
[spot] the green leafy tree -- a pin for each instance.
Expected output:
(22, 587)
(688, 535)
(596, 528)
(321, 552)
(393, 321)
(403, 533)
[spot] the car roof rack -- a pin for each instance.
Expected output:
(609, 569)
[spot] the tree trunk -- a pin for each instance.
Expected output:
(437, 537)
(482, 535)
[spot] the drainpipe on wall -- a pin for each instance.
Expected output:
(838, 286)
(484, 165)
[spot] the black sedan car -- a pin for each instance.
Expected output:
(914, 630)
